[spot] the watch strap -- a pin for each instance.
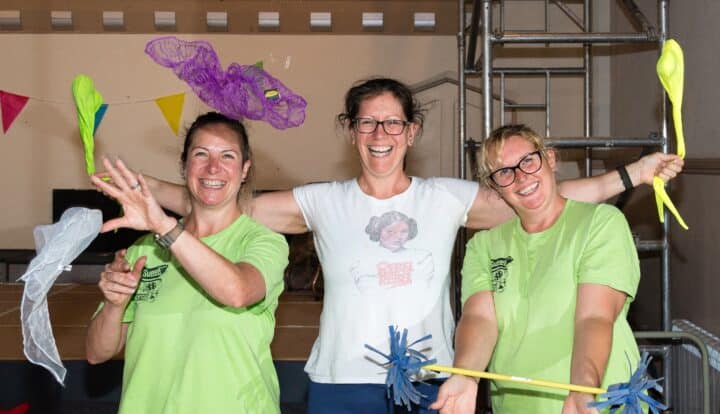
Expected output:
(166, 240)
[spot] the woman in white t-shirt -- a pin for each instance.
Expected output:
(383, 120)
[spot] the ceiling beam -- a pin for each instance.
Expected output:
(399, 16)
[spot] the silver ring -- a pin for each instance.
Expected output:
(136, 186)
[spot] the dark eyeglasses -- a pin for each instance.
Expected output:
(529, 164)
(390, 126)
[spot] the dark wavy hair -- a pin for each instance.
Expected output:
(371, 88)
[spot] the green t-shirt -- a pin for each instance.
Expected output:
(185, 352)
(534, 279)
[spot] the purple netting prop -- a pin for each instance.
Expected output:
(242, 91)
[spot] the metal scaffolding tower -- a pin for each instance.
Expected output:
(491, 33)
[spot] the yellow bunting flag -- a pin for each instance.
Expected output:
(671, 72)
(171, 107)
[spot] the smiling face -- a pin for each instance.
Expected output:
(381, 154)
(530, 195)
(215, 169)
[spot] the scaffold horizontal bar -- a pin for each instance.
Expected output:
(541, 37)
(603, 142)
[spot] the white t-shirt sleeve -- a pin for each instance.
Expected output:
(308, 198)
(464, 191)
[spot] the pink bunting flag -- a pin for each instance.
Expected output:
(11, 105)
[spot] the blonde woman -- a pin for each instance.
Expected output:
(546, 294)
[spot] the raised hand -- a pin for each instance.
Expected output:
(141, 210)
(665, 166)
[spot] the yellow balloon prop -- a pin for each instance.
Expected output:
(671, 71)
(87, 101)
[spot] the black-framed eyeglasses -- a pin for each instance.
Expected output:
(529, 164)
(390, 126)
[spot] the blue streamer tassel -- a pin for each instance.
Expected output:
(403, 363)
(630, 395)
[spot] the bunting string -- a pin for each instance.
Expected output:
(12, 104)
(113, 103)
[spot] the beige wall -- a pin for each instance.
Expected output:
(43, 149)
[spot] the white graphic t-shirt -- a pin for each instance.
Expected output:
(385, 262)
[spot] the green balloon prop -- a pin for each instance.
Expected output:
(87, 102)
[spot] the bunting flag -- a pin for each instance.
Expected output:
(99, 115)
(11, 105)
(171, 107)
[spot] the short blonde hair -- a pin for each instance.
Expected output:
(493, 145)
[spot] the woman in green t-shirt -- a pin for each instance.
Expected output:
(546, 294)
(195, 313)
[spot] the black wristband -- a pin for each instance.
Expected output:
(627, 183)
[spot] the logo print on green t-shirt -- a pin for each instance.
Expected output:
(150, 282)
(498, 270)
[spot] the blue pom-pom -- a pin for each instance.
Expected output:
(403, 363)
(631, 394)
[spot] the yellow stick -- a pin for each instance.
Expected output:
(509, 378)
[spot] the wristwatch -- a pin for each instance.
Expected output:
(167, 239)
